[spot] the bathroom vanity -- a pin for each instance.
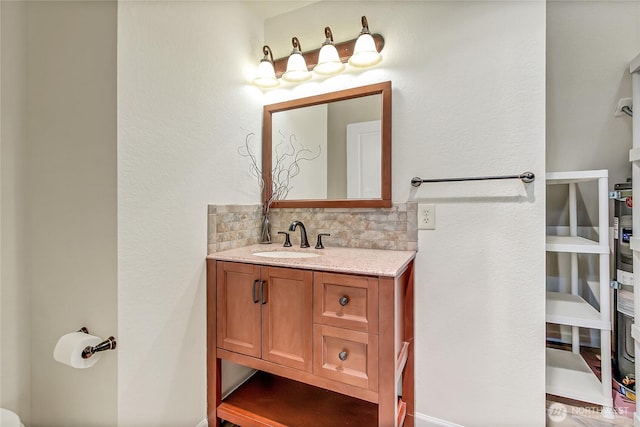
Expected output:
(329, 333)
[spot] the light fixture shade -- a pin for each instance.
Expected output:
(365, 53)
(266, 74)
(328, 59)
(297, 70)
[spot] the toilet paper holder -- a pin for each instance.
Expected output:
(108, 344)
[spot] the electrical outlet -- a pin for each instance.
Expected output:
(426, 216)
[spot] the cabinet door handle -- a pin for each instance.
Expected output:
(254, 291)
(344, 300)
(342, 355)
(263, 297)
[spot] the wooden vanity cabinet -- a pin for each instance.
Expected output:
(265, 312)
(330, 348)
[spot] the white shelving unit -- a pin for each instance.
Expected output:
(567, 373)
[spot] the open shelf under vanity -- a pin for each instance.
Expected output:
(269, 400)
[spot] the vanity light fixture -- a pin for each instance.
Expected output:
(266, 75)
(328, 59)
(297, 70)
(365, 53)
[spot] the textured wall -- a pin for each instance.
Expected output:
(183, 109)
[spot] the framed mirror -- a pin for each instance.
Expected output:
(330, 150)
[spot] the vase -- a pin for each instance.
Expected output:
(265, 229)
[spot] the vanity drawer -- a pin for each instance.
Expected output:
(347, 356)
(346, 301)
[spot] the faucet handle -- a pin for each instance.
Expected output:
(319, 244)
(287, 241)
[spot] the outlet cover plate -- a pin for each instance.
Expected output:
(426, 216)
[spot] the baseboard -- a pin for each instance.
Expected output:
(203, 423)
(427, 421)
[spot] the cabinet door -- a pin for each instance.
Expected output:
(238, 308)
(287, 317)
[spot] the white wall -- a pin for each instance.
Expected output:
(589, 47)
(184, 107)
(15, 321)
(469, 102)
(481, 273)
(71, 204)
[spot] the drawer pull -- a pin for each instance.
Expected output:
(344, 301)
(343, 355)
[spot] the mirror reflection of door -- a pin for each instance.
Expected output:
(364, 160)
(297, 129)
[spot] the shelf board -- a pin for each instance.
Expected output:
(269, 400)
(568, 375)
(575, 244)
(634, 154)
(575, 176)
(568, 309)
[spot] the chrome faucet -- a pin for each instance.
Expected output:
(304, 243)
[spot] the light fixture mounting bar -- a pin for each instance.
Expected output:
(345, 50)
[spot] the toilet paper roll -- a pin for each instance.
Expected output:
(9, 419)
(69, 348)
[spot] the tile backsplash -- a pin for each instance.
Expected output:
(233, 226)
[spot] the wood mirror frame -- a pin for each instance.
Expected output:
(383, 89)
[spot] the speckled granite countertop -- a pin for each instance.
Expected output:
(375, 262)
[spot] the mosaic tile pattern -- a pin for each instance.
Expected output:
(394, 228)
(232, 226)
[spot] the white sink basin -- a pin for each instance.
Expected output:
(286, 254)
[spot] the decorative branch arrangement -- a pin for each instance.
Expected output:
(286, 160)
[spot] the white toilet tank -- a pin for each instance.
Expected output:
(9, 419)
